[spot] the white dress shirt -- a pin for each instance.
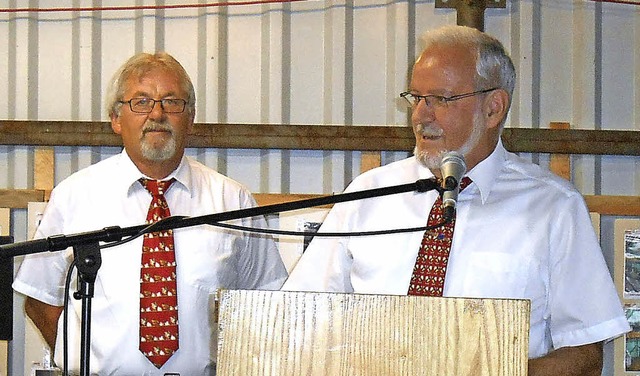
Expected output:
(521, 232)
(208, 258)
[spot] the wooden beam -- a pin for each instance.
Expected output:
(19, 198)
(572, 141)
(303, 137)
(58, 133)
(213, 135)
(264, 199)
(614, 205)
(605, 205)
(319, 137)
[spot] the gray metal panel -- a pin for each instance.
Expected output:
(337, 62)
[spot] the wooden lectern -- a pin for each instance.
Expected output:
(297, 333)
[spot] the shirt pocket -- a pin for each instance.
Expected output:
(496, 275)
(204, 259)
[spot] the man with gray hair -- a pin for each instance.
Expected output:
(520, 231)
(152, 310)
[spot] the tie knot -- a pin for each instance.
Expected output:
(464, 183)
(156, 187)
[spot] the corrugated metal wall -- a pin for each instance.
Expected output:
(313, 62)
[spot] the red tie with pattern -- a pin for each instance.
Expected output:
(158, 288)
(431, 264)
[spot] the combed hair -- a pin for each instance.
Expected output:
(139, 65)
(494, 67)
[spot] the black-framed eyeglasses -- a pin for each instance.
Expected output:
(435, 101)
(146, 105)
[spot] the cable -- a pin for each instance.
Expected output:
(145, 230)
(65, 321)
(146, 7)
(164, 221)
(328, 234)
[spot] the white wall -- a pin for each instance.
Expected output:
(326, 62)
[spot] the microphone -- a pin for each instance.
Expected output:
(452, 169)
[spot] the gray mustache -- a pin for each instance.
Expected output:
(426, 130)
(155, 127)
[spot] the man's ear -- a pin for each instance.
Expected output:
(496, 107)
(115, 123)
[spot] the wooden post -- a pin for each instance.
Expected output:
(560, 164)
(471, 12)
(43, 169)
(369, 160)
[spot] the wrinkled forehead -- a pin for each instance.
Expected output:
(160, 80)
(444, 67)
(458, 56)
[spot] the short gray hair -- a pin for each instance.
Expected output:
(494, 67)
(137, 66)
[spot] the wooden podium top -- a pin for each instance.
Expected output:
(297, 333)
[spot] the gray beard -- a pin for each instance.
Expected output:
(433, 161)
(430, 161)
(157, 154)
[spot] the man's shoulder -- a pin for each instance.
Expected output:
(203, 174)
(538, 176)
(407, 170)
(93, 174)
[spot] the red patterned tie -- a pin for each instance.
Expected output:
(431, 264)
(158, 288)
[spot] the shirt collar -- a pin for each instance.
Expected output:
(129, 174)
(485, 173)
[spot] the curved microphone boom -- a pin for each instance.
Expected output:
(452, 169)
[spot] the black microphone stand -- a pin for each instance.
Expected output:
(88, 261)
(86, 247)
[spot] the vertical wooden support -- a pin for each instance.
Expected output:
(471, 12)
(5, 215)
(560, 164)
(4, 357)
(369, 160)
(43, 170)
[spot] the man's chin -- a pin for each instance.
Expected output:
(430, 160)
(159, 154)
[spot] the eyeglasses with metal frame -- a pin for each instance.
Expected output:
(434, 101)
(145, 105)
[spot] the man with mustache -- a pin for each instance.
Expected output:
(520, 231)
(151, 104)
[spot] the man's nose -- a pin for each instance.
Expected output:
(422, 112)
(157, 112)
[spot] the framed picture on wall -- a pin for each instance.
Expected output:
(627, 279)
(632, 339)
(631, 264)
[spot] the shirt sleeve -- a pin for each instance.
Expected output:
(42, 276)
(579, 312)
(260, 264)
